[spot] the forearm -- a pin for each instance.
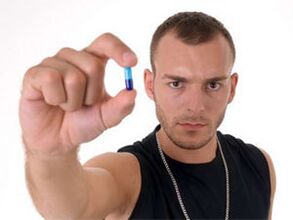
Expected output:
(58, 186)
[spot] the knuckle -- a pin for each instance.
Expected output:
(47, 61)
(94, 67)
(31, 71)
(75, 79)
(43, 75)
(64, 51)
(106, 36)
(51, 77)
(29, 75)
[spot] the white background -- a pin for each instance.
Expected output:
(261, 113)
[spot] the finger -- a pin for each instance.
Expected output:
(117, 108)
(74, 83)
(44, 83)
(109, 46)
(94, 69)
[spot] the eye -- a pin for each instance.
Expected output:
(175, 84)
(213, 86)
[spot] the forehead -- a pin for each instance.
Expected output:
(211, 57)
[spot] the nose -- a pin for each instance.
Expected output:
(195, 101)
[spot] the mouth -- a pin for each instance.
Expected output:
(193, 126)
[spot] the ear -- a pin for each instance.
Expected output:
(149, 78)
(234, 81)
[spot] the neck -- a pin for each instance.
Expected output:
(204, 154)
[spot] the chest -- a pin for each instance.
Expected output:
(203, 192)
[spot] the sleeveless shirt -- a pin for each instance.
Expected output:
(202, 186)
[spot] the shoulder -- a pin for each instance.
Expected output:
(250, 159)
(258, 158)
(112, 160)
(249, 150)
(271, 167)
(272, 178)
(125, 170)
(246, 151)
(123, 166)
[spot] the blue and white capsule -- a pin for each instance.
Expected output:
(128, 78)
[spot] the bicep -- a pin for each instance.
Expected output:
(114, 181)
(105, 194)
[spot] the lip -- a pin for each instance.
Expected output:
(192, 125)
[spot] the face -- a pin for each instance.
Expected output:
(191, 88)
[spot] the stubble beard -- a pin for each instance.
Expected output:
(179, 140)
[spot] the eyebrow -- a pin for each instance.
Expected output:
(218, 78)
(175, 77)
(184, 79)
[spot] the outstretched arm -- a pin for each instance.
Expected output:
(64, 103)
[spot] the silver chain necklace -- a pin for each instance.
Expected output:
(180, 200)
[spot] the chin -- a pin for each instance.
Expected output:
(191, 140)
(193, 144)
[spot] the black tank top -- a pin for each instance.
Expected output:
(202, 186)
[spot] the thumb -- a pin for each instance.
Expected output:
(118, 107)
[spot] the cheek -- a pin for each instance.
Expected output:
(166, 104)
(216, 103)
(170, 103)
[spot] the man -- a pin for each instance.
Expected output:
(183, 169)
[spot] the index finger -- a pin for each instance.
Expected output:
(109, 46)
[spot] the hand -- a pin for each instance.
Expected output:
(64, 101)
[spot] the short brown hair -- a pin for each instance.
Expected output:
(192, 28)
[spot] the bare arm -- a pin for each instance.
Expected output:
(62, 188)
(272, 180)
(59, 187)
(64, 103)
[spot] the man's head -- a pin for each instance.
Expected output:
(192, 55)
(191, 28)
